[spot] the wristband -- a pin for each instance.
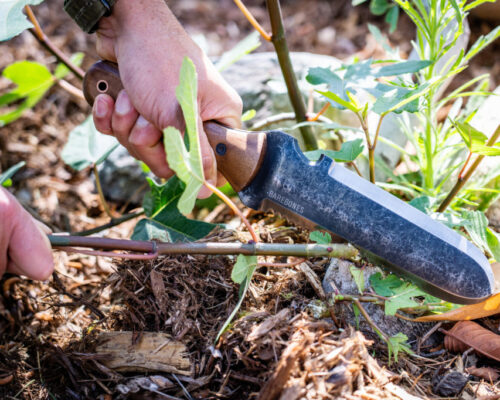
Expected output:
(87, 13)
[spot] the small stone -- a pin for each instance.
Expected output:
(448, 383)
(326, 36)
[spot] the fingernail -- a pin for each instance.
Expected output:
(123, 105)
(142, 122)
(101, 107)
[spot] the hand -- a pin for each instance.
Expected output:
(24, 246)
(149, 44)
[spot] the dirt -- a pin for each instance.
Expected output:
(277, 345)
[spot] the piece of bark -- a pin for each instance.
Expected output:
(268, 324)
(154, 351)
(278, 380)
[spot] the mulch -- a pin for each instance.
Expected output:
(277, 346)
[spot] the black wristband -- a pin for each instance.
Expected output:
(87, 13)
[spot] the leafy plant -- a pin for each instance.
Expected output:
(5, 177)
(381, 7)
(437, 153)
(12, 19)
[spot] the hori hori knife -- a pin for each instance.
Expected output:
(270, 173)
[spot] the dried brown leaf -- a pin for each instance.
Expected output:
(486, 308)
(486, 373)
(466, 334)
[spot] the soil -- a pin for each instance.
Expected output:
(49, 330)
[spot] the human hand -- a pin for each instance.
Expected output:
(24, 246)
(149, 45)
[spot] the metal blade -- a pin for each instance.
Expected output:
(407, 241)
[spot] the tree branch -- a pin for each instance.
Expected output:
(279, 41)
(258, 27)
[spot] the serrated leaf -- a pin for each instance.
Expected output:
(348, 152)
(404, 67)
(398, 343)
(6, 176)
(244, 47)
(385, 286)
(32, 80)
(12, 19)
(86, 146)
(187, 164)
(165, 222)
(423, 203)
(399, 99)
(493, 240)
(320, 237)
(402, 298)
(359, 279)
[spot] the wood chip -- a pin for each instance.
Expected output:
(153, 351)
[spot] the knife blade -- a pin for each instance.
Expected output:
(270, 173)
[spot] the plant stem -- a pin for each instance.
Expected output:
(71, 89)
(462, 180)
(320, 113)
(371, 322)
(276, 119)
(104, 203)
(236, 210)
(280, 45)
(371, 149)
(258, 27)
(42, 38)
(110, 224)
(263, 249)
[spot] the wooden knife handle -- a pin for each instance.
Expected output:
(239, 153)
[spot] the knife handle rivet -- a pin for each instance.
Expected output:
(220, 149)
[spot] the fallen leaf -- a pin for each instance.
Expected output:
(486, 373)
(490, 306)
(466, 334)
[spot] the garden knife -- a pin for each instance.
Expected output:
(270, 173)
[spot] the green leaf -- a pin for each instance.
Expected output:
(248, 115)
(475, 223)
(392, 17)
(399, 99)
(86, 146)
(243, 268)
(405, 67)
(470, 135)
(32, 80)
(402, 298)
(348, 152)
(379, 7)
(493, 241)
(164, 221)
(423, 203)
(187, 164)
(385, 286)
(359, 279)
(337, 100)
(320, 237)
(246, 46)
(398, 343)
(248, 264)
(5, 176)
(12, 19)
(358, 2)
(483, 42)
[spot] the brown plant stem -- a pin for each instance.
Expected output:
(320, 113)
(281, 265)
(263, 249)
(462, 180)
(74, 91)
(236, 210)
(42, 38)
(280, 45)
(371, 150)
(104, 203)
(258, 27)
(371, 322)
(110, 224)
